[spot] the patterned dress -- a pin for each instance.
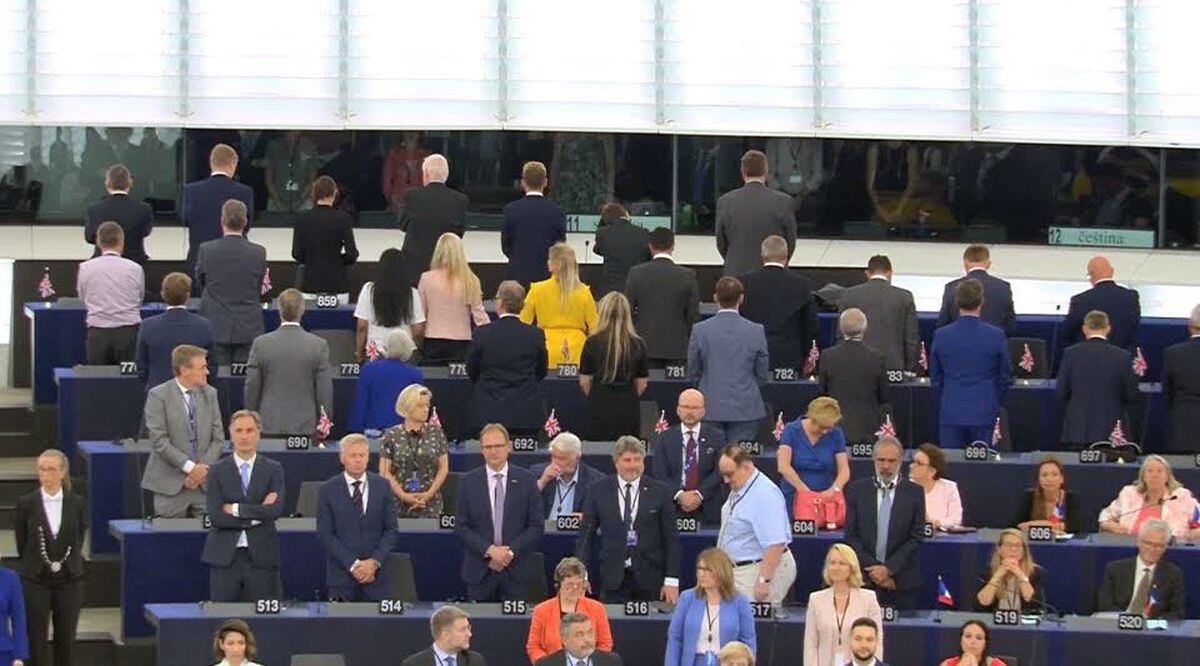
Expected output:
(414, 458)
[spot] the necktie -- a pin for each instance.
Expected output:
(245, 479)
(498, 510)
(450, 660)
(1141, 596)
(692, 470)
(885, 517)
(192, 434)
(627, 516)
(356, 496)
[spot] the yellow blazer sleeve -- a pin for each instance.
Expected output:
(589, 309)
(529, 312)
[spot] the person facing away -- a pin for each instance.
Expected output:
(506, 362)
(1121, 304)
(747, 215)
(428, 212)
(623, 245)
(997, 294)
(111, 288)
(136, 218)
(1095, 386)
(891, 312)
(532, 225)
(204, 201)
(665, 299)
(452, 299)
(562, 306)
(161, 334)
(1181, 388)
(782, 302)
(230, 272)
(855, 375)
(323, 243)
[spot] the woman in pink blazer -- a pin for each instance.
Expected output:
(1155, 495)
(452, 301)
(832, 611)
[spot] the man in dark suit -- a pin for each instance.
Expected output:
(997, 294)
(1181, 388)
(892, 313)
(782, 302)
(579, 645)
(135, 217)
(506, 363)
(356, 520)
(230, 272)
(1127, 583)
(639, 544)
(685, 461)
(451, 629)
(1122, 305)
(323, 243)
(623, 245)
(854, 374)
(531, 225)
(245, 498)
(428, 212)
(665, 300)
(749, 214)
(970, 369)
(885, 521)
(1096, 386)
(499, 522)
(564, 481)
(161, 334)
(203, 201)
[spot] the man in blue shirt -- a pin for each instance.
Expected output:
(755, 531)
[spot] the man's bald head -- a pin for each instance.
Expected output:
(691, 407)
(1099, 268)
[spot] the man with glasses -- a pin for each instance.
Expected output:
(451, 629)
(1147, 584)
(755, 531)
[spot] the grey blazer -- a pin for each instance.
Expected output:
(727, 360)
(891, 321)
(230, 271)
(288, 380)
(745, 217)
(167, 427)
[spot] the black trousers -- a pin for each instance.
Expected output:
(52, 600)
(225, 353)
(242, 580)
(498, 586)
(631, 591)
(438, 350)
(110, 346)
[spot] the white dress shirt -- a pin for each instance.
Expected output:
(664, 255)
(362, 483)
(243, 542)
(54, 506)
(703, 645)
(1137, 574)
(189, 465)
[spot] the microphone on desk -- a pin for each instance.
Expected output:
(1160, 502)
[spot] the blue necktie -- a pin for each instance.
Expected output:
(246, 479)
(450, 661)
(192, 435)
(885, 517)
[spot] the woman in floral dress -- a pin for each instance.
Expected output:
(414, 456)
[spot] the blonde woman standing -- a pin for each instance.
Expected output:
(832, 611)
(452, 300)
(562, 306)
(613, 372)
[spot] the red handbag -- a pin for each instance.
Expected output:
(829, 513)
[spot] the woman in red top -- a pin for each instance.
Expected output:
(974, 642)
(571, 577)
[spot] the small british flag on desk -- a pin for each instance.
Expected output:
(324, 426)
(1117, 436)
(45, 286)
(1027, 360)
(923, 361)
(996, 434)
(661, 425)
(810, 363)
(552, 427)
(778, 427)
(887, 428)
(266, 282)
(372, 351)
(433, 418)
(1139, 363)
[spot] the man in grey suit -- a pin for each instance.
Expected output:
(892, 313)
(183, 422)
(287, 377)
(853, 374)
(230, 271)
(727, 359)
(665, 300)
(749, 214)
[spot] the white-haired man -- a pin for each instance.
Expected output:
(430, 211)
(565, 479)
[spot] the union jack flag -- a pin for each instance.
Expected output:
(433, 418)
(810, 363)
(552, 427)
(1117, 436)
(1139, 363)
(996, 434)
(887, 429)
(324, 425)
(661, 425)
(923, 361)
(1026, 359)
(266, 283)
(373, 352)
(46, 287)
(778, 426)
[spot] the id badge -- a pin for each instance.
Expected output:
(798, 179)
(839, 657)
(631, 538)
(413, 485)
(292, 186)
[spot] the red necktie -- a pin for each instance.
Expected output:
(691, 464)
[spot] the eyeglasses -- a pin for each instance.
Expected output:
(493, 447)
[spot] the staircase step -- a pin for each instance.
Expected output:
(21, 444)
(16, 419)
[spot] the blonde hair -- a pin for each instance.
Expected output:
(824, 411)
(1173, 484)
(848, 554)
(450, 256)
(722, 570)
(616, 318)
(733, 651)
(566, 271)
(1027, 563)
(410, 397)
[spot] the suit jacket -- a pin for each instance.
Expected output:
(426, 657)
(971, 369)
(225, 487)
(736, 624)
(598, 658)
(288, 380)
(665, 300)
(427, 213)
(822, 631)
(507, 362)
(323, 242)
(14, 639)
(531, 225)
(202, 201)
(854, 374)
(166, 419)
(727, 360)
(349, 535)
(1123, 307)
(623, 246)
(159, 335)
(585, 477)
(891, 321)
(667, 465)
(745, 217)
(1181, 389)
(782, 302)
(30, 523)
(135, 217)
(997, 301)
(656, 554)
(905, 528)
(230, 272)
(1116, 588)
(1095, 387)
(522, 529)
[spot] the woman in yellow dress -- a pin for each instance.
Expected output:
(562, 306)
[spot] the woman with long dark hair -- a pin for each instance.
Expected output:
(1050, 503)
(613, 372)
(385, 304)
(974, 643)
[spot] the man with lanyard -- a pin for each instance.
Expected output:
(755, 531)
(564, 481)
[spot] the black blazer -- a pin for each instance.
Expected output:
(427, 213)
(531, 225)
(667, 466)
(585, 477)
(598, 658)
(1123, 307)
(1116, 588)
(135, 217)
(656, 554)
(31, 517)
(1095, 387)
(523, 522)
(997, 301)
(159, 335)
(905, 530)
(665, 300)
(1181, 388)
(1075, 523)
(202, 201)
(323, 242)
(1035, 605)
(507, 362)
(623, 246)
(854, 374)
(225, 487)
(427, 658)
(782, 302)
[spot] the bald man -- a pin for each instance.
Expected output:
(1122, 306)
(685, 460)
(428, 212)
